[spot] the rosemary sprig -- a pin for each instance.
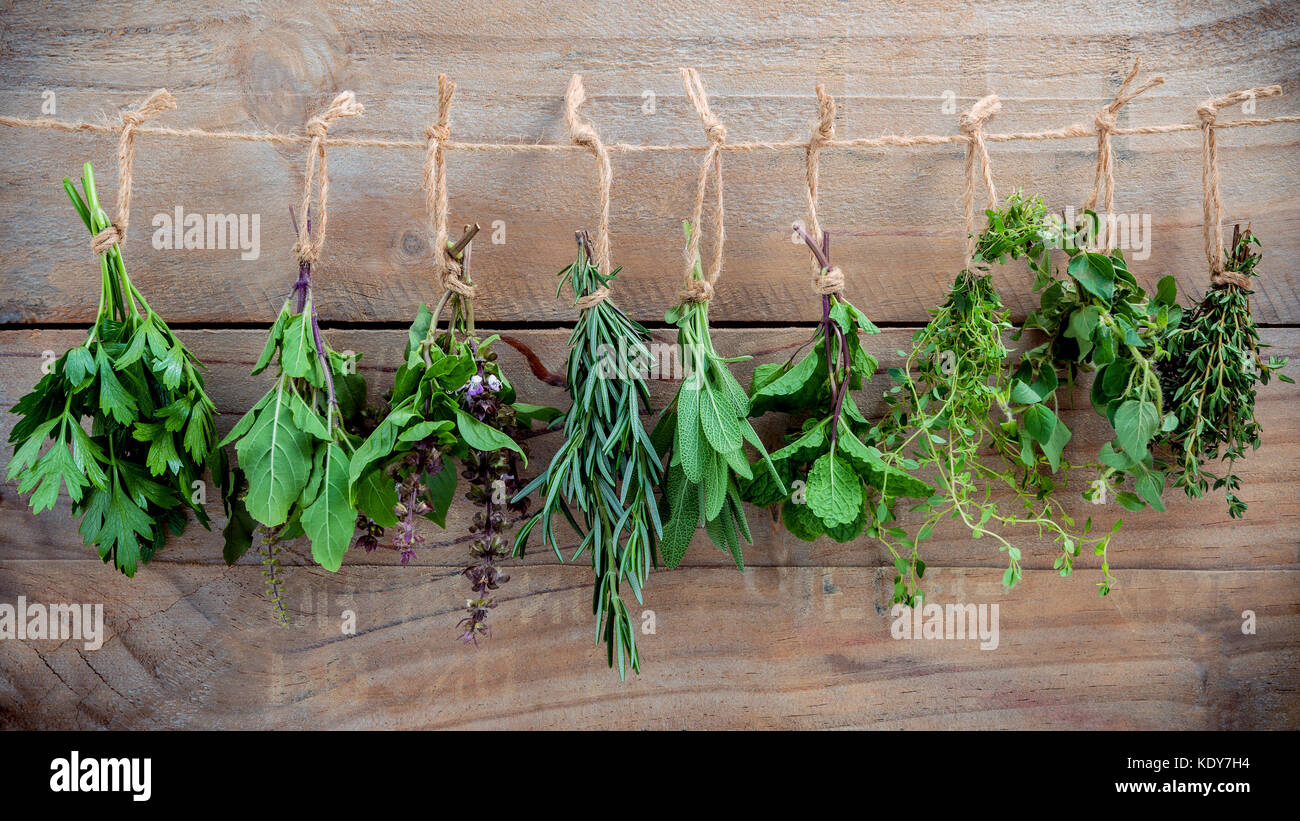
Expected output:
(607, 468)
(1210, 377)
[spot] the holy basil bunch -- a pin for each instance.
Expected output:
(702, 435)
(1210, 378)
(450, 403)
(132, 477)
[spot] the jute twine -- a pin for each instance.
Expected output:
(437, 135)
(584, 134)
(1105, 122)
(973, 136)
(701, 290)
(1212, 204)
(972, 125)
(825, 281)
(115, 234)
(311, 241)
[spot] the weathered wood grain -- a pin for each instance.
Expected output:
(1193, 534)
(777, 648)
(801, 639)
(896, 214)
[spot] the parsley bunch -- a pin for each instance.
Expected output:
(607, 469)
(1210, 376)
(132, 477)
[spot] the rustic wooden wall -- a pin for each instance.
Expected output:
(801, 639)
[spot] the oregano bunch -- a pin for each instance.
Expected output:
(1096, 319)
(827, 480)
(450, 403)
(702, 435)
(294, 447)
(133, 475)
(1210, 378)
(602, 480)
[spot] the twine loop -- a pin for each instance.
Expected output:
(310, 241)
(702, 290)
(1106, 121)
(115, 234)
(829, 283)
(593, 299)
(697, 290)
(447, 269)
(971, 124)
(584, 134)
(822, 131)
(1212, 203)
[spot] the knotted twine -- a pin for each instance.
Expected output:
(1105, 122)
(310, 241)
(972, 125)
(825, 282)
(158, 102)
(1212, 205)
(584, 134)
(436, 137)
(701, 290)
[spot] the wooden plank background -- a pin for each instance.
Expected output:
(801, 639)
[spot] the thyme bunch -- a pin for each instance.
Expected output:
(1210, 380)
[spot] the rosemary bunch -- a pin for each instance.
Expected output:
(703, 435)
(1210, 377)
(133, 475)
(607, 468)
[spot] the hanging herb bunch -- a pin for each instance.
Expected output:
(450, 402)
(957, 413)
(827, 480)
(1096, 319)
(295, 446)
(1210, 378)
(132, 477)
(607, 469)
(702, 435)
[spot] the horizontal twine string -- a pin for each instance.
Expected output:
(1069, 132)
